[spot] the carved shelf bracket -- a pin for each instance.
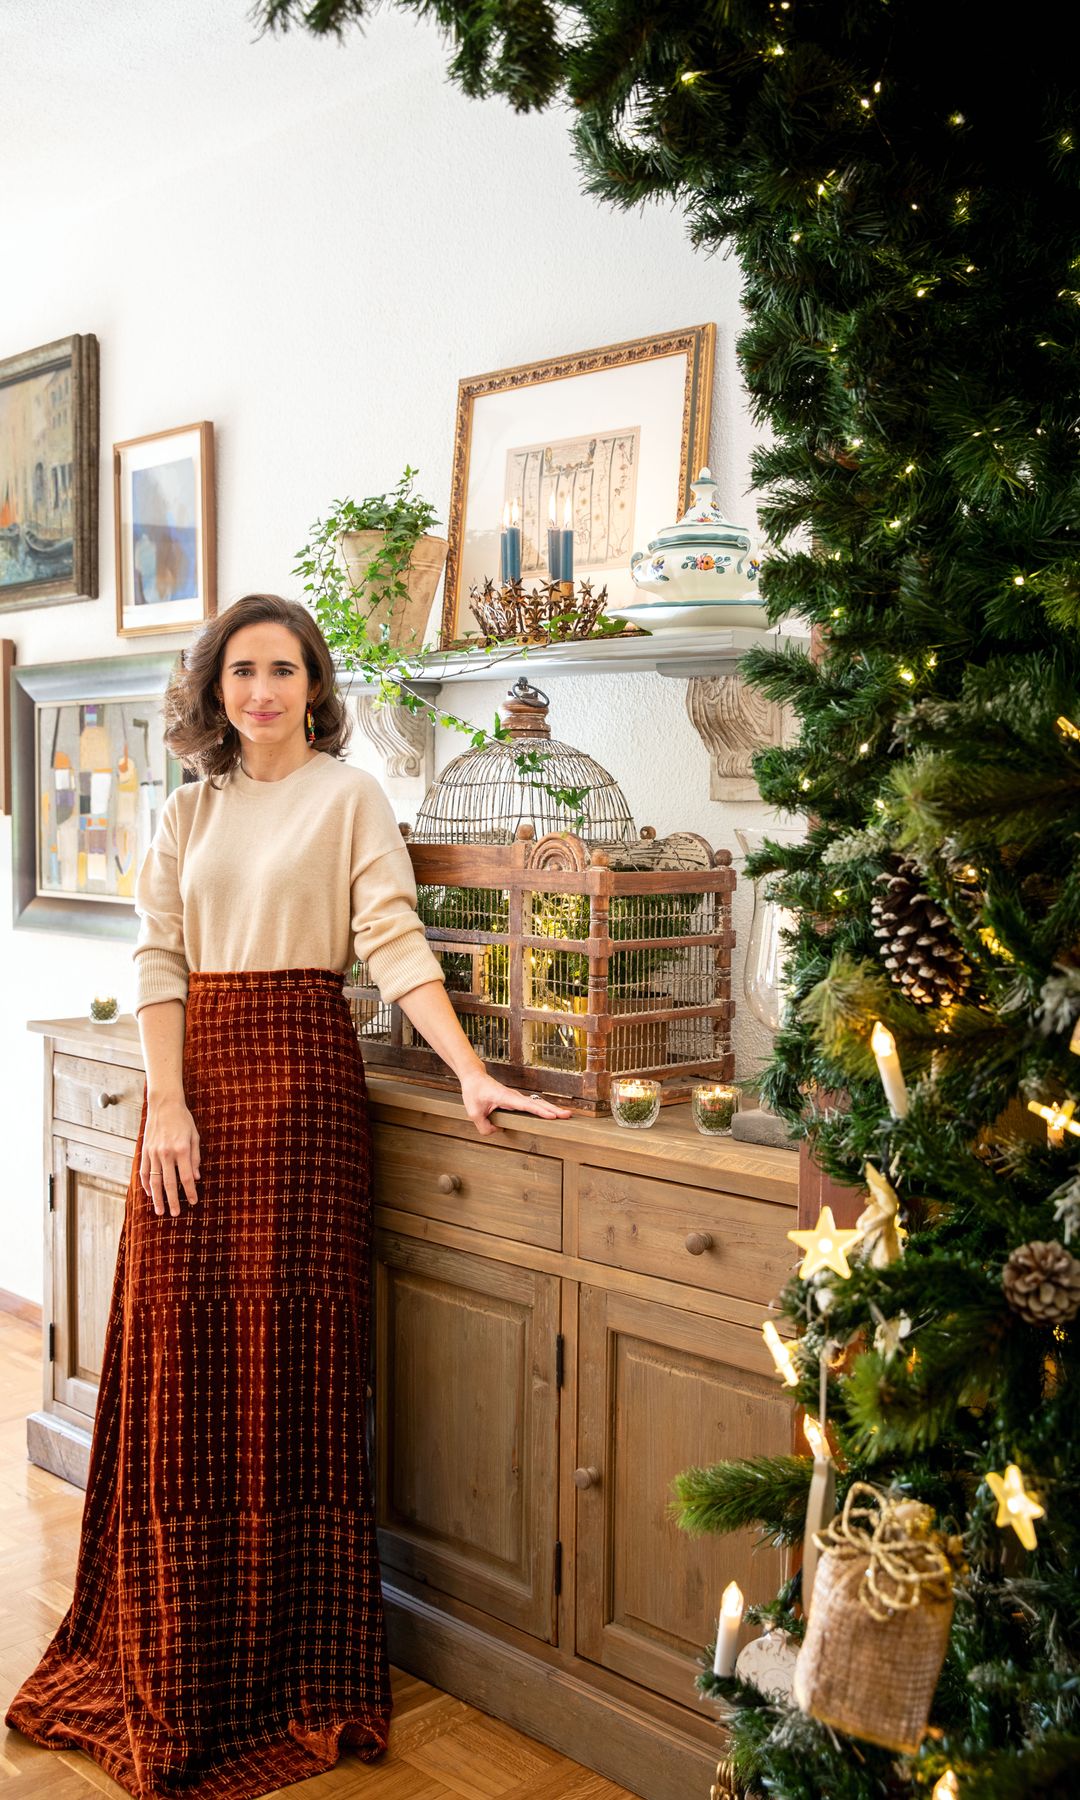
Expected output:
(733, 720)
(405, 740)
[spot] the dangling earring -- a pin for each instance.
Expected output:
(310, 721)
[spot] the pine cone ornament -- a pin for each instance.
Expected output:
(916, 939)
(1042, 1283)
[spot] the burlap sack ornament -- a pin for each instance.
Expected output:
(879, 1623)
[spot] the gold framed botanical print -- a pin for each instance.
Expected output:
(163, 511)
(603, 442)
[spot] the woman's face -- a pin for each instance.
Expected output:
(264, 684)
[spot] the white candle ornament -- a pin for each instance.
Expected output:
(820, 1505)
(732, 1607)
(883, 1044)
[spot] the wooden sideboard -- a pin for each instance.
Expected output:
(567, 1314)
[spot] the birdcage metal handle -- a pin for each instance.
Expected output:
(698, 1242)
(449, 1184)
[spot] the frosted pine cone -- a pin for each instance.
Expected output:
(1042, 1283)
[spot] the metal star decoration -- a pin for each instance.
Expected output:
(1015, 1505)
(825, 1246)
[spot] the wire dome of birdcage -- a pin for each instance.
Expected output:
(483, 796)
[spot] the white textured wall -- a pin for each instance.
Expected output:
(316, 285)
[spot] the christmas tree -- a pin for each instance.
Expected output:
(900, 184)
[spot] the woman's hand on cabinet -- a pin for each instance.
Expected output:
(481, 1094)
(170, 1154)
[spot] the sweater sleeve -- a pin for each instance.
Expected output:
(388, 934)
(161, 966)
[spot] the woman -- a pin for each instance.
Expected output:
(226, 1635)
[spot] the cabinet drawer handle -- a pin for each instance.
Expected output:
(698, 1242)
(107, 1099)
(448, 1184)
(586, 1478)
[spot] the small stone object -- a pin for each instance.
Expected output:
(104, 1009)
(1042, 1283)
(916, 939)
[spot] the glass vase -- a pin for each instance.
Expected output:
(763, 973)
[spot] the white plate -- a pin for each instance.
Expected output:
(655, 615)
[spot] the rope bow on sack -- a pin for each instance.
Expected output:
(906, 1561)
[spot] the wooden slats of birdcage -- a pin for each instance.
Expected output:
(564, 971)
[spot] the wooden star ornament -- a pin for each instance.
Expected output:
(1016, 1507)
(825, 1246)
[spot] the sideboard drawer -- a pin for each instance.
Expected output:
(658, 1228)
(103, 1095)
(508, 1192)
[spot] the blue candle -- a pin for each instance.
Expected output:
(566, 555)
(555, 541)
(512, 535)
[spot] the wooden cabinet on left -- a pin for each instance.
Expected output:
(94, 1084)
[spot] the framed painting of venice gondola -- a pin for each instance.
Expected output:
(49, 474)
(91, 772)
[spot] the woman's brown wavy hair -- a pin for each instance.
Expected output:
(194, 721)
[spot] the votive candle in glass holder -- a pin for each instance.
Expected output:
(634, 1100)
(713, 1105)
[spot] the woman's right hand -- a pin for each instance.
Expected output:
(170, 1155)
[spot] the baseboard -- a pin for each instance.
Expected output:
(29, 1310)
(651, 1760)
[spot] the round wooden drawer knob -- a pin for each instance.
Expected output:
(105, 1099)
(698, 1242)
(449, 1184)
(586, 1478)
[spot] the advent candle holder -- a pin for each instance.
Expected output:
(554, 610)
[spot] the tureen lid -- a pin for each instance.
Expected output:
(702, 523)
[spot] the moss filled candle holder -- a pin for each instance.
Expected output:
(713, 1105)
(634, 1100)
(104, 1009)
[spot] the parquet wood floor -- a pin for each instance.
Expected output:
(440, 1748)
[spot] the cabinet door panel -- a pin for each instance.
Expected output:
(466, 1443)
(662, 1391)
(90, 1191)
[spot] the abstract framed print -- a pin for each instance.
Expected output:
(605, 442)
(49, 474)
(90, 774)
(163, 509)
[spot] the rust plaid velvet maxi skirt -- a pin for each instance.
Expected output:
(226, 1635)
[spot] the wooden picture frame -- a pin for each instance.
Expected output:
(49, 399)
(623, 429)
(165, 529)
(90, 772)
(7, 663)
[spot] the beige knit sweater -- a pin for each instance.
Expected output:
(306, 872)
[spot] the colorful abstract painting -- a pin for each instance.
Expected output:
(101, 785)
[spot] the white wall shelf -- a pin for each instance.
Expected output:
(680, 653)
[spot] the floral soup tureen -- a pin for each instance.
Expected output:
(699, 571)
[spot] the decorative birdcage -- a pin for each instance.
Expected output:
(482, 797)
(569, 962)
